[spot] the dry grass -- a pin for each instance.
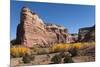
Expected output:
(66, 47)
(18, 51)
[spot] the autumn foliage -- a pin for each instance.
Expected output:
(66, 47)
(18, 51)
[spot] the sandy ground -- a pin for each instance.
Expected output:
(44, 59)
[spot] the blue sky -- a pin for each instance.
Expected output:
(70, 16)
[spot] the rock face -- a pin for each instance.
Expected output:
(74, 37)
(32, 31)
(86, 34)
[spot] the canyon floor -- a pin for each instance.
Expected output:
(15, 62)
(43, 59)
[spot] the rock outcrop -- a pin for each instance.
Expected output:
(86, 34)
(33, 32)
(74, 37)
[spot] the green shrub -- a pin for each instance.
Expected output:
(73, 51)
(56, 59)
(27, 58)
(32, 57)
(68, 59)
(39, 51)
(62, 54)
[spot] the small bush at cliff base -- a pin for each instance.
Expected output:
(56, 59)
(73, 51)
(68, 59)
(39, 51)
(28, 58)
(62, 54)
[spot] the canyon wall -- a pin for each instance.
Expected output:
(33, 32)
